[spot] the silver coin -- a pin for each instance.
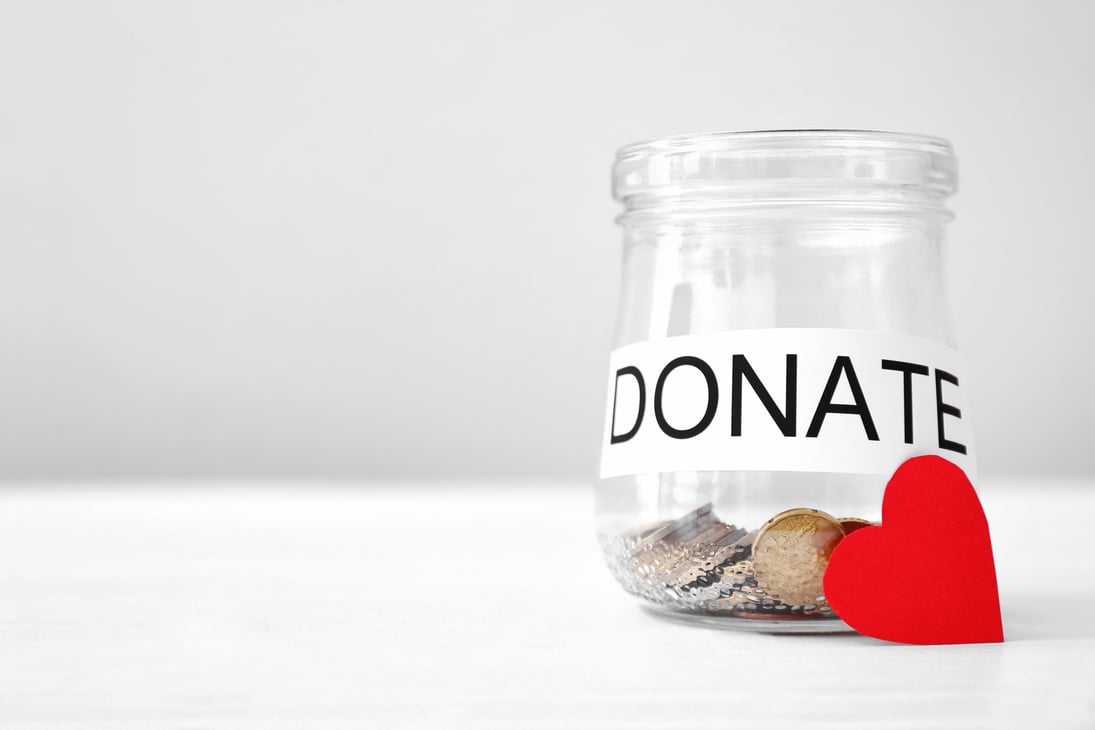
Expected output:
(667, 531)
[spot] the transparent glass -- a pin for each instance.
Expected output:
(807, 228)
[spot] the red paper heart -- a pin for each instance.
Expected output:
(926, 575)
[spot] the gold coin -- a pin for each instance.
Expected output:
(851, 524)
(791, 552)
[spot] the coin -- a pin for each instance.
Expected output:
(851, 524)
(705, 556)
(751, 611)
(791, 552)
(713, 533)
(672, 531)
(741, 569)
(698, 562)
(737, 537)
(642, 533)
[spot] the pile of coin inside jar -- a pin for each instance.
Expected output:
(699, 563)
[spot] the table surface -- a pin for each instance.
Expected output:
(479, 606)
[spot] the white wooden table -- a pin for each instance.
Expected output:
(463, 605)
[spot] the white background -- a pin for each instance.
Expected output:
(364, 239)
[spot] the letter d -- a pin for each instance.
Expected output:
(634, 372)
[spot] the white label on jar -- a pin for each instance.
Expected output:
(826, 400)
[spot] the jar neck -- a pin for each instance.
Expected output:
(730, 173)
(733, 204)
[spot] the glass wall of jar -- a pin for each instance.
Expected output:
(759, 231)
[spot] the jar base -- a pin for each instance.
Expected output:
(757, 625)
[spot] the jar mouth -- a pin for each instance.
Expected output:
(775, 167)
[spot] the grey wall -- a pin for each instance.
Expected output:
(376, 238)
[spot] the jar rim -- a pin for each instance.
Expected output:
(784, 164)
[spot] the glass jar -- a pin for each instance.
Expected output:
(783, 344)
